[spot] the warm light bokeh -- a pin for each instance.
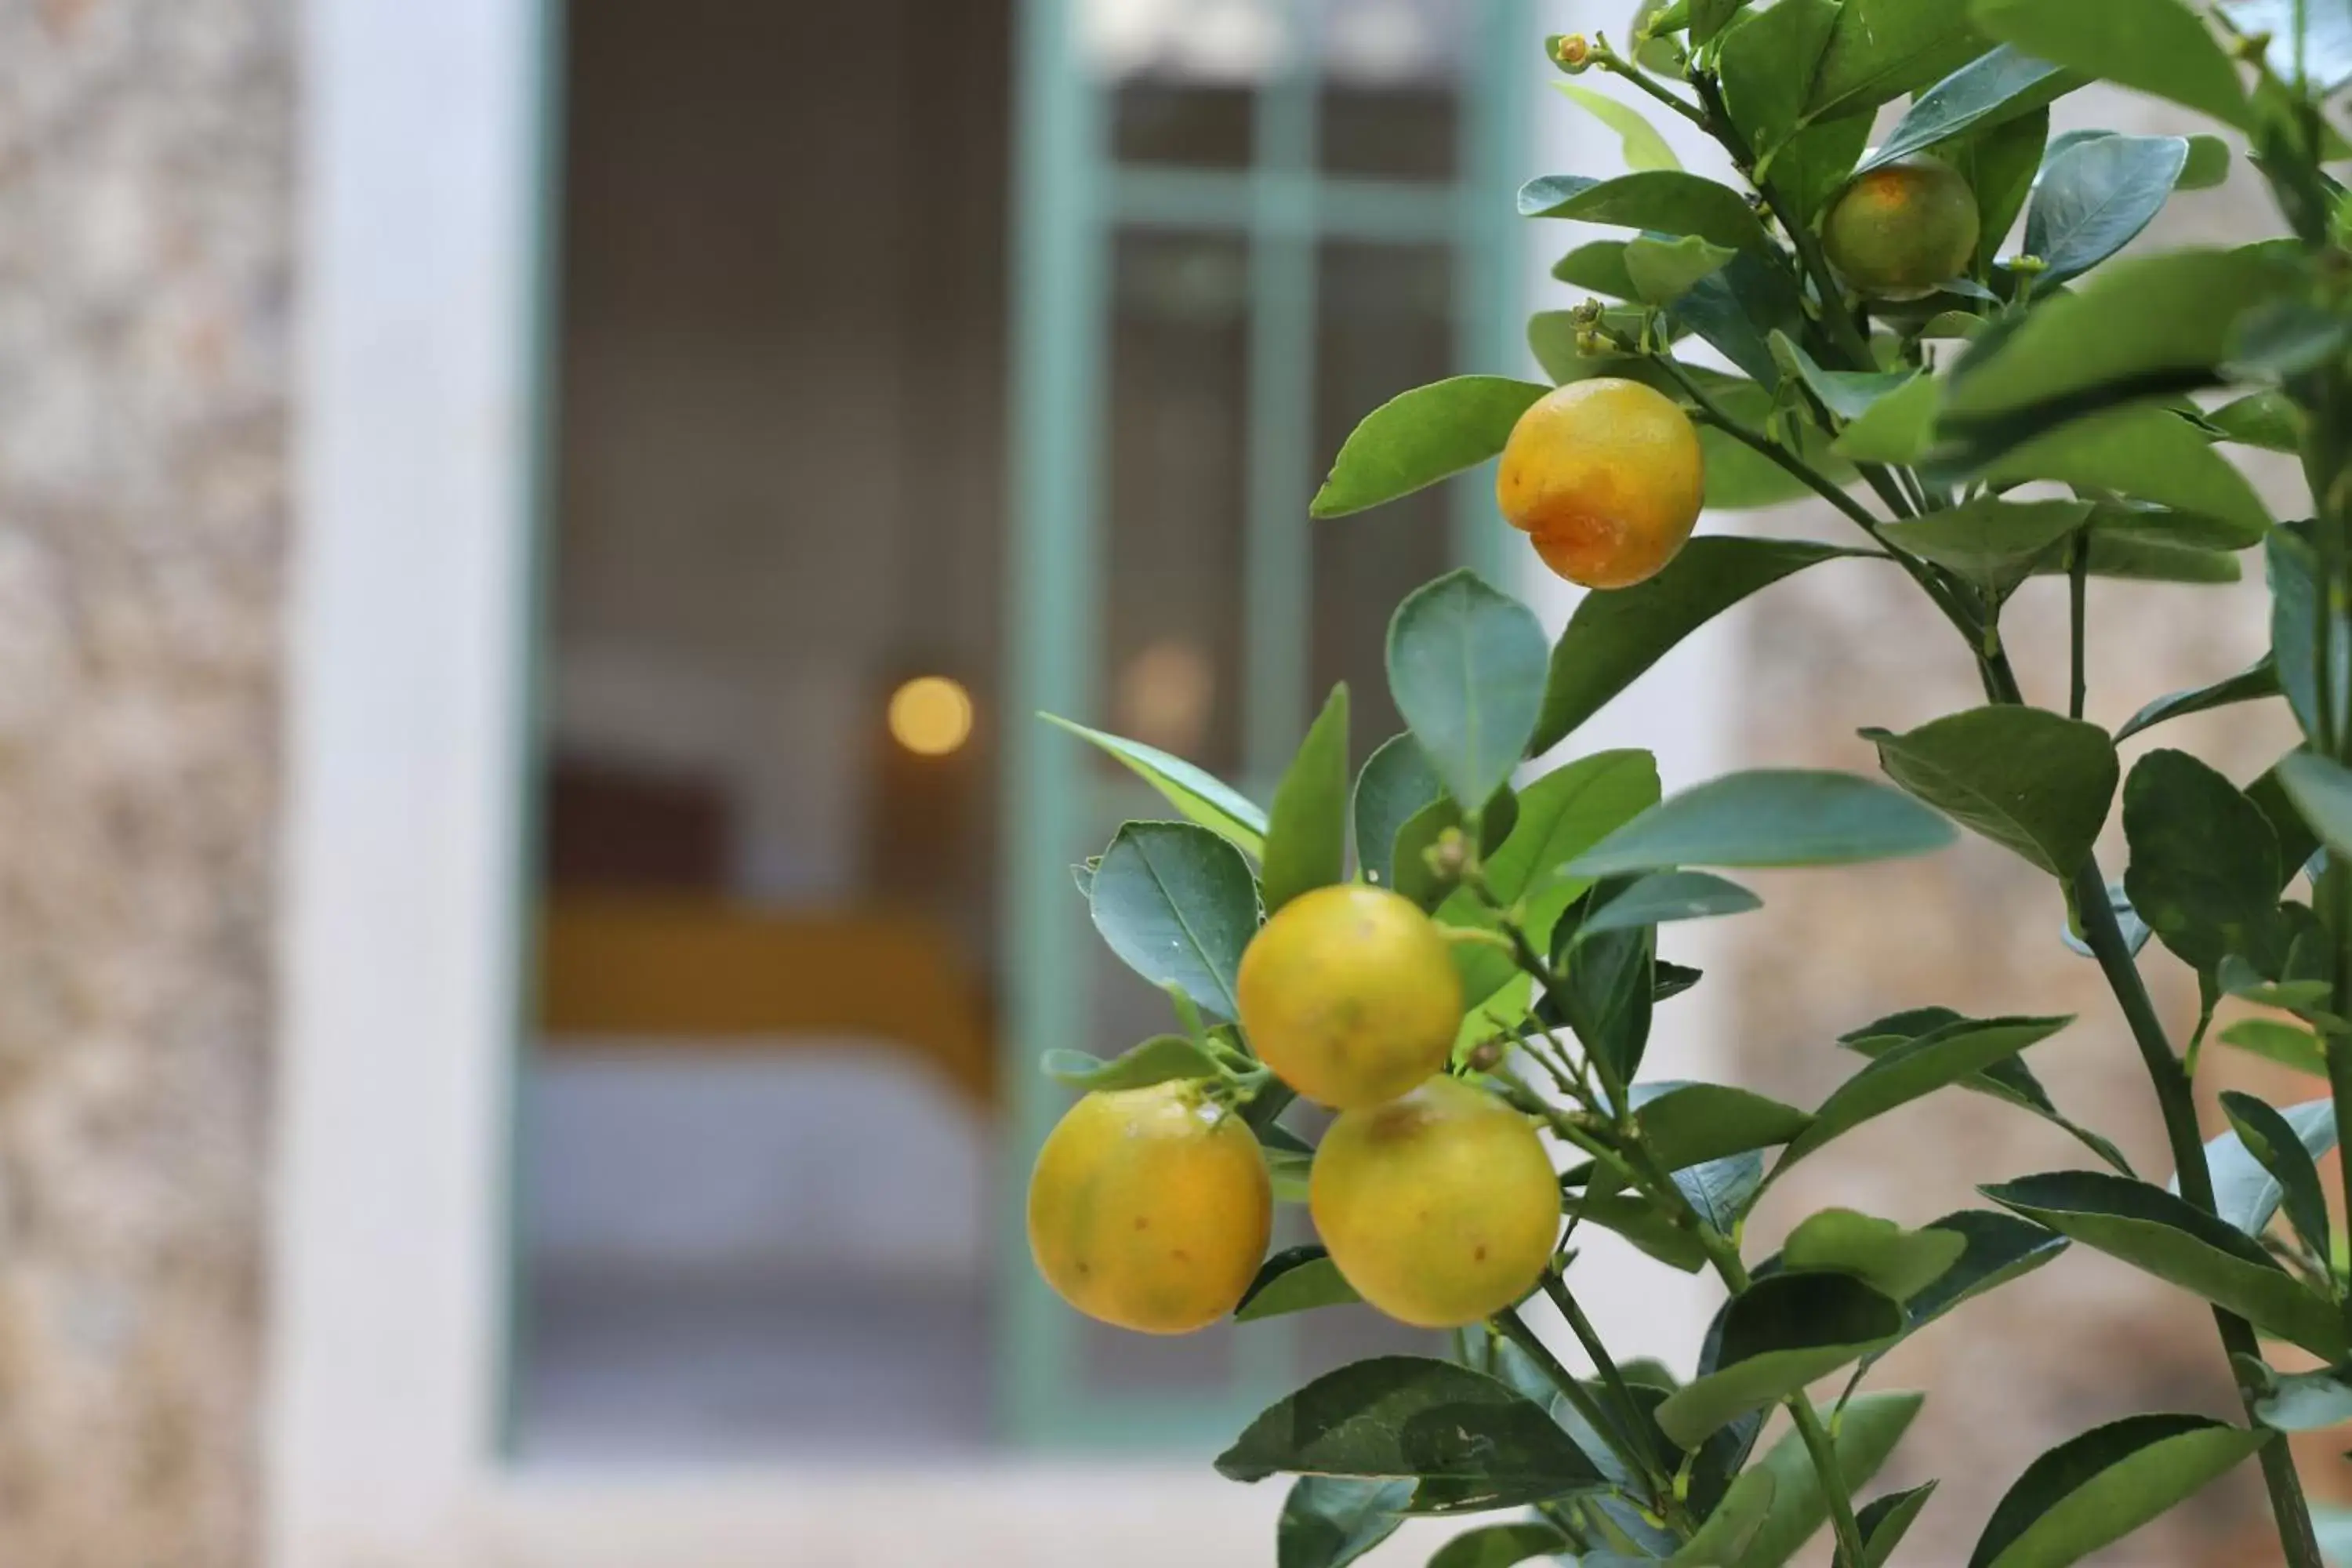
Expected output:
(930, 715)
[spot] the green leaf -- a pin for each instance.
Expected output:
(2296, 837)
(1599, 266)
(2036, 783)
(1615, 636)
(2095, 1489)
(1848, 394)
(1200, 797)
(2284, 338)
(1884, 1523)
(1500, 1546)
(2150, 326)
(2156, 46)
(1723, 1540)
(1995, 87)
(1663, 272)
(2284, 1150)
(1719, 1191)
(2164, 1235)
(1296, 1280)
(1637, 139)
(2010, 1080)
(1176, 904)
(1736, 309)
(1396, 783)
(2257, 681)
(2269, 419)
(1897, 427)
(1607, 993)
(1412, 874)
(2322, 793)
(1418, 437)
(1674, 979)
(1307, 832)
(1642, 1221)
(2209, 163)
(1560, 816)
(1863, 1434)
(2293, 572)
(2305, 1400)
(1666, 201)
(2204, 871)
(1466, 669)
(1565, 812)
(2144, 451)
(1685, 1124)
(2247, 1189)
(1995, 1249)
(1896, 1263)
(1740, 479)
(1770, 816)
(2000, 165)
(2094, 198)
(1778, 1335)
(1329, 1521)
(1881, 49)
(2145, 558)
(1814, 164)
(1411, 1417)
(1940, 1057)
(1287, 1170)
(1156, 1060)
(1665, 895)
(1768, 62)
(1994, 544)
(2285, 1044)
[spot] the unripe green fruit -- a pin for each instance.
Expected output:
(1897, 232)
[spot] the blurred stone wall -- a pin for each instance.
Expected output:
(2083, 1341)
(146, 175)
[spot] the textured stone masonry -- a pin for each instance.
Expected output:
(145, 210)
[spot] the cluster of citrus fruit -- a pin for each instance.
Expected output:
(1606, 475)
(1151, 1208)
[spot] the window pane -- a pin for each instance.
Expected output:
(1173, 496)
(1158, 121)
(1183, 75)
(759, 1119)
(1393, 74)
(1172, 629)
(1385, 324)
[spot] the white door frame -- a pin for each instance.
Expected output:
(408, 704)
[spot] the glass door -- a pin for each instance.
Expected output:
(1239, 224)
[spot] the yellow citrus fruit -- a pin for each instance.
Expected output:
(1898, 231)
(1607, 477)
(1150, 1208)
(1351, 996)
(1440, 1208)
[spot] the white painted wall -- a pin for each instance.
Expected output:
(406, 718)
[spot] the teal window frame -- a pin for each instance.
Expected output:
(1071, 200)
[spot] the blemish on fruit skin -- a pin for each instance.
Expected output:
(1141, 1223)
(1478, 1254)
